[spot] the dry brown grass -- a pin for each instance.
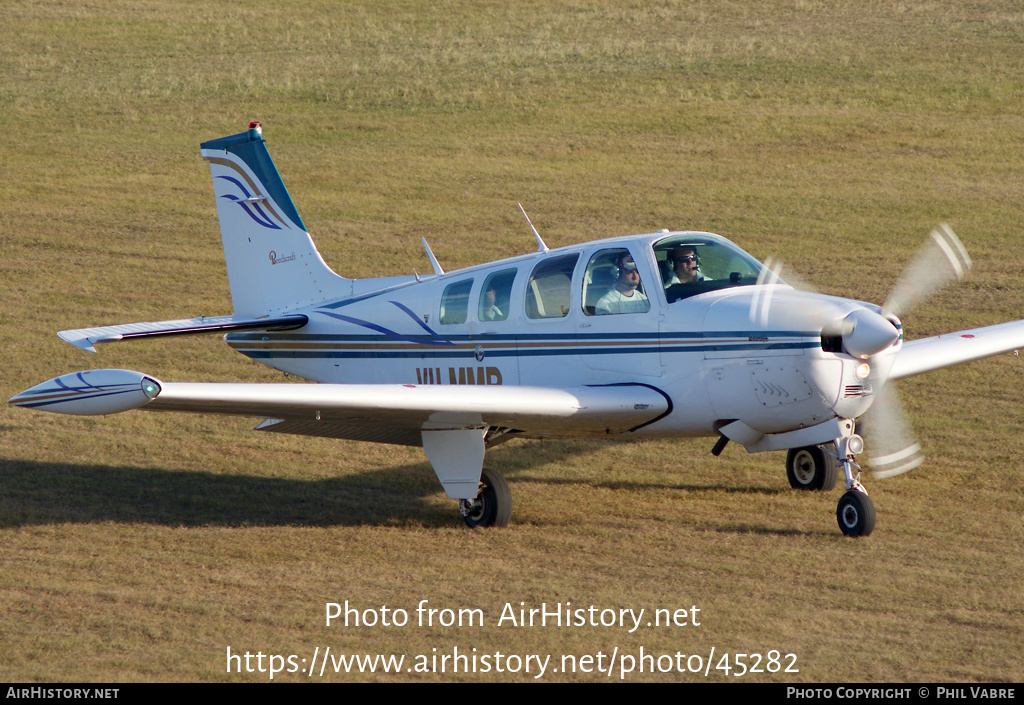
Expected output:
(834, 135)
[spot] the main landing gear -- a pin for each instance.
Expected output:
(812, 468)
(492, 505)
(817, 468)
(456, 455)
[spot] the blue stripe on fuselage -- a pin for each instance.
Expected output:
(526, 345)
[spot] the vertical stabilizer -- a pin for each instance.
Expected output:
(273, 265)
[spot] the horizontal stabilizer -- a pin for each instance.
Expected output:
(87, 338)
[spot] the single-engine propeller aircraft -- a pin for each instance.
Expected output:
(663, 335)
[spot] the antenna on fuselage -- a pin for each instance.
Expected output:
(430, 256)
(541, 247)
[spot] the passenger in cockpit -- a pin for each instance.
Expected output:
(627, 295)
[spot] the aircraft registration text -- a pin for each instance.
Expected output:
(458, 375)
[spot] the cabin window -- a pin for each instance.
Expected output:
(455, 302)
(612, 285)
(496, 295)
(550, 286)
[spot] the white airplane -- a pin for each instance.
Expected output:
(670, 334)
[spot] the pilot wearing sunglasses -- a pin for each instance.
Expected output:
(685, 266)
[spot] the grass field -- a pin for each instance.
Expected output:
(833, 135)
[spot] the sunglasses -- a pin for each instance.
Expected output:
(687, 258)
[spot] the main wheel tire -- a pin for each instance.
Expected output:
(493, 503)
(811, 468)
(856, 514)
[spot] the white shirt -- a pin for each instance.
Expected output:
(675, 280)
(617, 302)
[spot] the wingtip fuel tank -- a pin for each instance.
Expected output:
(93, 393)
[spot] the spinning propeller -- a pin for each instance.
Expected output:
(941, 260)
(865, 334)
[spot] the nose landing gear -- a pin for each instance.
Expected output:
(856, 511)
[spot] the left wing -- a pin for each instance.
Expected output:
(928, 354)
(391, 413)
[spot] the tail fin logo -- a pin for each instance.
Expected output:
(277, 259)
(250, 204)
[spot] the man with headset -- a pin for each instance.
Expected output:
(685, 266)
(627, 295)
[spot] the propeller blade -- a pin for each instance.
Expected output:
(892, 449)
(761, 303)
(943, 259)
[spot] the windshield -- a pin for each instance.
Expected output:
(692, 263)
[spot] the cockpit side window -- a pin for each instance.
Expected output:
(550, 287)
(455, 302)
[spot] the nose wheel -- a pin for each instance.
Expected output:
(856, 513)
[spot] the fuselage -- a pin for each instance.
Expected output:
(722, 347)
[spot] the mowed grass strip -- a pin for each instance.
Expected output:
(834, 136)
